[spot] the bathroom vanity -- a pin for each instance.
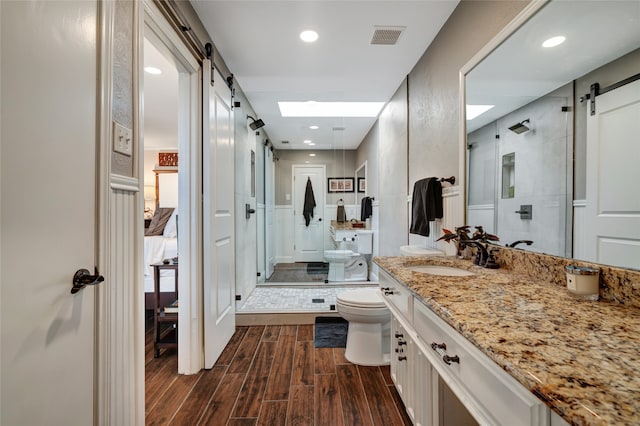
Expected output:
(508, 348)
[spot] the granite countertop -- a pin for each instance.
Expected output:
(581, 358)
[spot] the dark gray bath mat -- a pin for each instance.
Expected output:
(317, 268)
(331, 332)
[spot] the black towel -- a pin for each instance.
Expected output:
(366, 209)
(309, 203)
(427, 205)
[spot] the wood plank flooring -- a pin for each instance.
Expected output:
(271, 375)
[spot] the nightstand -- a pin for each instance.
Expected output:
(165, 325)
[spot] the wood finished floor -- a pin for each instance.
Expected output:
(271, 375)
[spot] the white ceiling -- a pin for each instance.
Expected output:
(259, 41)
(160, 101)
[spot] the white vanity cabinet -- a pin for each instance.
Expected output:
(443, 379)
(412, 375)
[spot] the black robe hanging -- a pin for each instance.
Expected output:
(309, 203)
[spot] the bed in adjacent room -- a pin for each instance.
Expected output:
(160, 243)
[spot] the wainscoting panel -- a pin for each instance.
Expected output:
(121, 300)
(453, 208)
(453, 216)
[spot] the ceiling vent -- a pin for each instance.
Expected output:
(338, 129)
(386, 35)
(285, 142)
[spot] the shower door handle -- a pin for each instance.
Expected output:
(248, 211)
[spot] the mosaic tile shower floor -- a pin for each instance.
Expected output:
(292, 299)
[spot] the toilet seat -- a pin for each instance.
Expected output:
(361, 298)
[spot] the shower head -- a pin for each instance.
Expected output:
(520, 127)
(255, 124)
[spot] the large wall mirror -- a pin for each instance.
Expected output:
(534, 166)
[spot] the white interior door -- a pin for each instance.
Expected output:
(308, 240)
(48, 227)
(218, 215)
(613, 194)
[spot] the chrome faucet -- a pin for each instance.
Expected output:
(515, 243)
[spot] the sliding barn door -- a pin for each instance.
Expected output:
(613, 195)
(218, 215)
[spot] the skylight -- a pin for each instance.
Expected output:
(330, 109)
(474, 111)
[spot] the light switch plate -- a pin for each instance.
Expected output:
(122, 139)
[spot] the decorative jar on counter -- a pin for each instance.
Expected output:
(583, 282)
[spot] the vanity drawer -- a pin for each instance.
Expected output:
(495, 396)
(397, 295)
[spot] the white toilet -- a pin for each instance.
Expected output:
(345, 264)
(369, 326)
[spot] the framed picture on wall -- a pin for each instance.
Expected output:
(340, 184)
(362, 184)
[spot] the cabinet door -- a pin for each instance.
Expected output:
(425, 387)
(400, 365)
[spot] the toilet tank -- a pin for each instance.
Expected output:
(364, 238)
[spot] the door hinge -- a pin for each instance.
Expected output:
(238, 297)
(259, 274)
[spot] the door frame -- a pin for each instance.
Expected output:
(190, 343)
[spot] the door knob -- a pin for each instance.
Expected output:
(83, 278)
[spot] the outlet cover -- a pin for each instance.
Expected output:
(122, 139)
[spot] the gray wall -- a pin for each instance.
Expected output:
(417, 131)
(122, 91)
(392, 176)
(339, 163)
(434, 85)
(606, 75)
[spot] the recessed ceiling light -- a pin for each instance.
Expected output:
(314, 127)
(153, 70)
(475, 110)
(309, 36)
(311, 144)
(554, 41)
(312, 155)
(330, 109)
(307, 141)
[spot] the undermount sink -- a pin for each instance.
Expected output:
(444, 271)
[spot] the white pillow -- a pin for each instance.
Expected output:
(171, 229)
